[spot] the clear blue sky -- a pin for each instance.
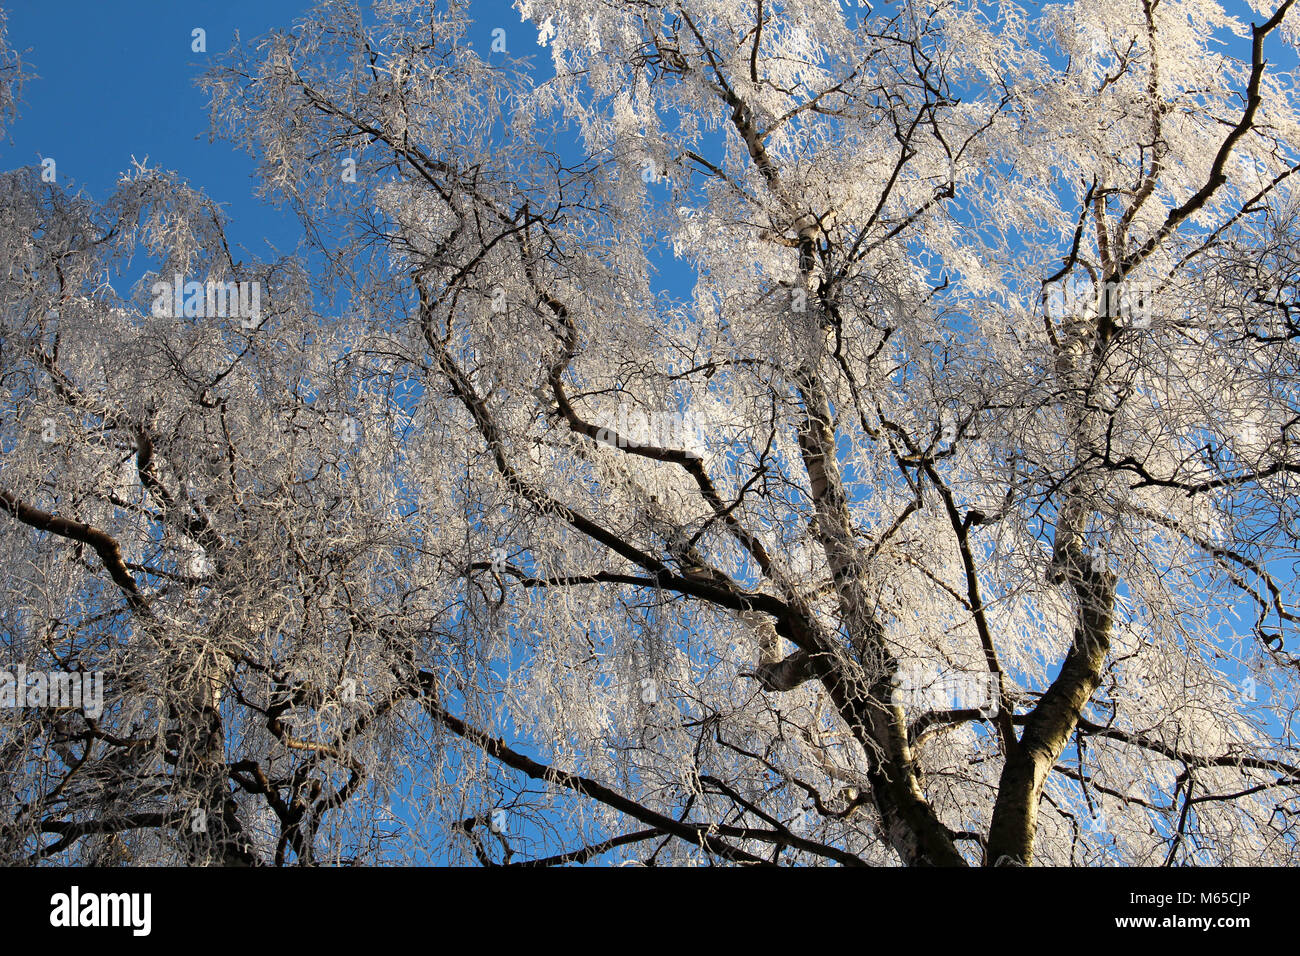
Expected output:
(117, 79)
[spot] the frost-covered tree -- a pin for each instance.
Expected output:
(778, 432)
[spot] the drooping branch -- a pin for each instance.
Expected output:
(1218, 175)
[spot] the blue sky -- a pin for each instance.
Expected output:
(117, 80)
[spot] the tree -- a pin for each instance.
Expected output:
(949, 518)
